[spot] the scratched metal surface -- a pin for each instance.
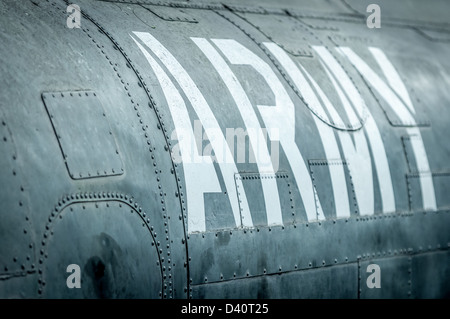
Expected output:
(130, 227)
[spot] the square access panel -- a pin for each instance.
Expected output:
(87, 143)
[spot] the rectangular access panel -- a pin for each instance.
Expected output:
(87, 143)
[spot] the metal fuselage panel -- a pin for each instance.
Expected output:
(178, 150)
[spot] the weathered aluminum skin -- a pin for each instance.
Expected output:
(88, 177)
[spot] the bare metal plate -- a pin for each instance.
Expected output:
(320, 173)
(87, 143)
(171, 14)
(256, 200)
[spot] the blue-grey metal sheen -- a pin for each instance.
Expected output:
(97, 106)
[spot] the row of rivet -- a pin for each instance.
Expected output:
(260, 176)
(81, 174)
(115, 66)
(83, 198)
(172, 18)
(391, 121)
(174, 170)
(331, 162)
(352, 187)
(351, 127)
(326, 163)
(408, 159)
(314, 264)
(152, 104)
(410, 193)
(22, 206)
(386, 253)
(188, 5)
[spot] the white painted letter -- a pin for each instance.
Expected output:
(231, 48)
(357, 153)
(201, 178)
(327, 136)
(403, 111)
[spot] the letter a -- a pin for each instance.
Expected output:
(374, 20)
(73, 281)
(74, 19)
(374, 279)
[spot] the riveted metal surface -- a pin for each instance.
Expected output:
(441, 182)
(314, 24)
(16, 229)
(248, 9)
(409, 152)
(257, 34)
(218, 213)
(167, 174)
(415, 73)
(340, 39)
(435, 35)
(251, 183)
(395, 278)
(170, 14)
(405, 12)
(115, 245)
(87, 143)
(320, 176)
(129, 123)
(173, 4)
(414, 192)
(318, 244)
(258, 261)
(327, 282)
(300, 46)
(410, 68)
(430, 275)
(264, 6)
(198, 252)
(420, 114)
(349, 11)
